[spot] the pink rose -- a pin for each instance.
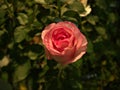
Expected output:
(64, 42)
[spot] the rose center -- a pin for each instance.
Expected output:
(60, 39)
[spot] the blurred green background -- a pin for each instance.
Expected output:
(23, 65)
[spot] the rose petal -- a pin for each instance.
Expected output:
(65, 57)
(81, 49)
(47, 30)
(47, 36)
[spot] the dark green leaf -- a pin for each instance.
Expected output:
(102, 4)
(20, 33)
(49, 1)
(93, 19)
(2, 15)
(22, 71)
(22, 18)
(90, 47)
(5, 85)
(101, 30)
(72, 14)
(77, 6)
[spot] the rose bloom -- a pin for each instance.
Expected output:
(63, 42)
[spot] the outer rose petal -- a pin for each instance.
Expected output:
(67, 56)
(47, 30)
(81, 50)
(47, 36)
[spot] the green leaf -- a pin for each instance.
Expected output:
(72, 14)
(92, 19)
(2, 32)
(45, 69)
(40, 1)
(5, 85)
(2, 14)
(22, 71)
(77, 6)
(77, 85)
(67, 1)
(22, 18)
(11, 45)
(20, 33)
(49, 1)
(32, 55)
(90, 47)
(101, 30)
(102, 4)
(43, 13)
(4, 76)
(78, 63)
(112, 17)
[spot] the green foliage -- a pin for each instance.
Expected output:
(20, 33)
(76, 6)
(21, 71)
(21, 24)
